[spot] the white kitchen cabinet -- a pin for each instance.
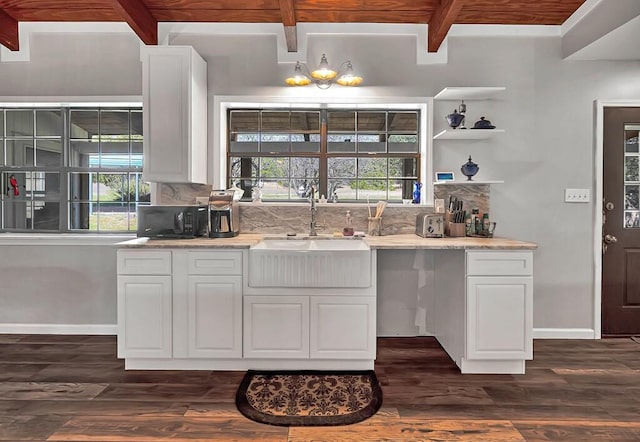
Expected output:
(144, 304)
(499, 305)
(276, 327)
(174, 90)
(144, 316)
(207, 304)
(343, 327)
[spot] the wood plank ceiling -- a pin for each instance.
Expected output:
(143, 15)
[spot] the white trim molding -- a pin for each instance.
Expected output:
(598, 157)
(563, 333)
(59, 329)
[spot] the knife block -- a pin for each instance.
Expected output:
(454, 229)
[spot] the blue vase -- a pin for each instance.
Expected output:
(469, 169)
(416, 193)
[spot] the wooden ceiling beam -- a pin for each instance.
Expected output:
(288, 12)
(9, 31)
(441, 22)
(136, 14)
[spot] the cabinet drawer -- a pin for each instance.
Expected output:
(500, 263)
(215, 263)
(144, 262)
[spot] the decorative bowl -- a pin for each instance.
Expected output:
(483, 124)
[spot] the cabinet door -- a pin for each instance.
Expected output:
(174, 117)
(144, 316)
(214, 316)
(276, 327)
(499, 318)
(343, 327)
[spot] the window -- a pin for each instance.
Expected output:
(349, 155)
(71, 169)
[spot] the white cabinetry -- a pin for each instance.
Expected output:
(276, 327)
(499, 305)
(179, 304)
(174, 89)
(144, 304)
(343, 327)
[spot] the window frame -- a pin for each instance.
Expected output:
(64, 169)
(222, 105)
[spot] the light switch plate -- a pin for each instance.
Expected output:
(577, 195)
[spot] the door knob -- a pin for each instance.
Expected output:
(610, 239)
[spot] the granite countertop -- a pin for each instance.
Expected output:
(401, 241)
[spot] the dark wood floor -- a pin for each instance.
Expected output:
(73, 388)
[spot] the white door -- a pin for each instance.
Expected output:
(144, 316)
(276, 327)
(499, 317)
(214, 316)
(343, 327)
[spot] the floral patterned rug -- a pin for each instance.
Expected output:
(309, 398)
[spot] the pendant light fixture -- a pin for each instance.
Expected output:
(324, 76)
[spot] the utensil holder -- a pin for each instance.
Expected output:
(456, 229)
(374, 226)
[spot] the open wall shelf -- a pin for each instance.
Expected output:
(469, 93)
(467, 134)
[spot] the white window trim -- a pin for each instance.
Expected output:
(221, 103)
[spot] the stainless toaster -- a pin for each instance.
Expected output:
(430, 225)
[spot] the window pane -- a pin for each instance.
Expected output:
(341, 167)
(275, 189)
(80, 215)
(83, 186)
(49, 123)
(275, 121)
(84, 124)
(401, 189)
(16, 185)
(17, 215)
(136, 125)
(631, 169)
(111, 216)
(114, 123)
(274, 143)
(305, 167)
(632, 219)
(19, 123)
(244, 121)
(372, 167)
(344, 143)
(298, 146)
(340, 189)
(631, 197)
(403, 167)
(305, 122)
(46, 215)
(49, 153)
(403, 143)
(341, 121)
(43, 185)
(372, 122)
(371, 143)
(19, 152)
(1, 123)
(114, 154)
(244, 167)
(274, 168)
(374, 189)
(84, 154)
(403, 122)
(140, 190)
(631, 145)
(113, 189)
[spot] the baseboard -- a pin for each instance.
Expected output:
(563, 333)
(59, 329)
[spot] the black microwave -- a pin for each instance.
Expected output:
(172, 221)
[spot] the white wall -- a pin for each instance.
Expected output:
(547, 111)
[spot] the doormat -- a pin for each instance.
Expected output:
(309, 398)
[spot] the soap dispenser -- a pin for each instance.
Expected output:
(348, 227)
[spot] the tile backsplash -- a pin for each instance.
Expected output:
(295, 217)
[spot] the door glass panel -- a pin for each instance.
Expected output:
(49, 123)
(631, 176)
(19, 123)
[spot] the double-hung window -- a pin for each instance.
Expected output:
(347, 154)
(71, 169)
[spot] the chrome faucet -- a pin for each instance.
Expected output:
(314, 212)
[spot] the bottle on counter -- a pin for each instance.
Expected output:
(485, 223)
(348, 226)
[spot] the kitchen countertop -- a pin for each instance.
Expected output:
(401, 241)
